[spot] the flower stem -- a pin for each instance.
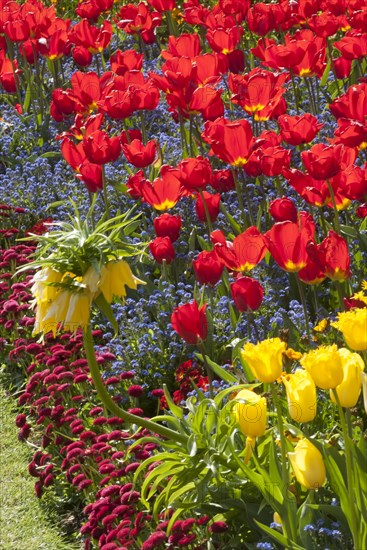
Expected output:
(336, 214)
(110, 404)
(304, 305)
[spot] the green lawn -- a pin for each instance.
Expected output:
(23, 523)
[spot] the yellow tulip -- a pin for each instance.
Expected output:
(301, 395)
(308, 465)
(349, 389)
(251, 414)
(353, 325)
(364, 386)
(114, 277)
(265, 359)
(325, 366)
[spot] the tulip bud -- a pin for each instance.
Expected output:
(247, 294)
(251, 413)
(190, 322)
(283, 209)
(208, 268)
(349, 389)
(308, 465)
(301, 395)
(265, 359)
(162, 249)
(212, 203)
(168, 226)
(325, 366)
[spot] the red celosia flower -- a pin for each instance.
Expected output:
(162, 249)
(190, 322)
(138, 154)
(168, 226)
(208, 268)
(298, 129)
(218, 527)
(212, 203)
(135, 391)
(247, 294)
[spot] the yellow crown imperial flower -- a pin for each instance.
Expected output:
(115, 276)
(265, 359)
(353, 325)
(349, 389)
(308, 465)
(325, 366)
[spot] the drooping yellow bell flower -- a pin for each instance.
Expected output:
(52, 314)
(115, 276)
(78, 312)
(265, 359)
(325, 366)
(308, 465)
(43, 289)
(301, 395)
(350, 388)
(251, 414)
(353, 325)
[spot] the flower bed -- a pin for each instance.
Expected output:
(183, 267)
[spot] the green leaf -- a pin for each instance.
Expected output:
(284, 541)
(175, 409)
(218, 370)
(203, 243)
(325, 75)
(105, 308)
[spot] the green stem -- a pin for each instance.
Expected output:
(350, 478)
(108, 402)
(240, 198)
(289, 527)
(105, 194)
(336, 214)
(294, 90)
(304, 305)
(207, 215)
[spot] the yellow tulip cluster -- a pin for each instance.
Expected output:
(64, 300)
(338, 370)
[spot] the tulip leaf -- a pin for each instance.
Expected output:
(175, 409)
(284, 541)
(218, 370)
(105, 308)
(325, 75)
(349, 231)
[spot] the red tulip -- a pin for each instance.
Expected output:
(222, 180)
(195, 173)
(283, 209)
(246, 251)
(129, 60)
(164, 193)
(208, 268)
(161, 249)
(287, 244)
(185, 45)
(168, 226)
(212, 203)
(230, 141)
(332, 256)
(100, 148)
(311, 274)
(247, 294)
(361, 211)
(323, 162)
(298, 129)
(138, 154)
(190, 322)
(352, 104)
